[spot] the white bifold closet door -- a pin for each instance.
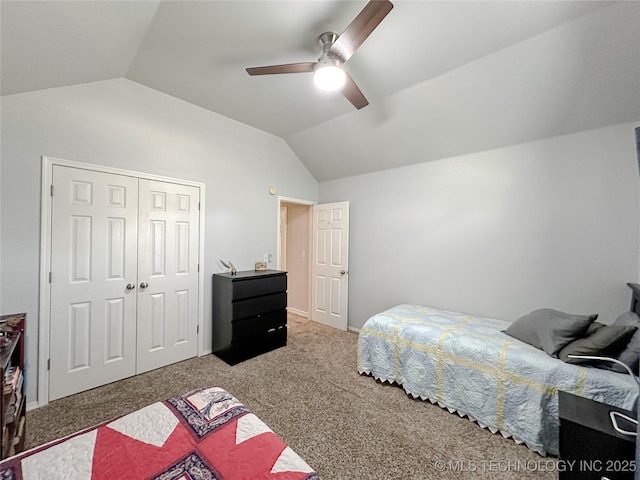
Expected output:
(168, 264)
(124, 282)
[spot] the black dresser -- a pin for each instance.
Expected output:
(249, 314)
(590, 446)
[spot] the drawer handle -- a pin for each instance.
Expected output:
(614, 422)
(271, 330)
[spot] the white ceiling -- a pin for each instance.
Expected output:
(443, 78)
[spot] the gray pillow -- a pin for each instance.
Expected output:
(605, 341)
(631, 354)
(628, 318)
(593, 327)
(550, 330)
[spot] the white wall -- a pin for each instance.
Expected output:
(119, 123)
(552, 223)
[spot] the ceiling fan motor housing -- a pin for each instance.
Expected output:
(328, 59)
(327, 39)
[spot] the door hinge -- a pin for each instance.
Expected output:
(50, 276)
(198, 267)
(51, 192)
(198, 205)
(197, 328)
(48, 364)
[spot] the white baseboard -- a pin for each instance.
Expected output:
(300, 313)
(353, 329)
(32, 406)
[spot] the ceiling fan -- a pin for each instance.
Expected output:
(329, 73)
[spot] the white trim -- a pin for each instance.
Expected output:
(119, 171)
(45, 287)
(201, 208)
(300, 313)
(45, 259)
(32, 406)
(295, 200)
(353, 329)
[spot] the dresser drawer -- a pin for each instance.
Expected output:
(255, 306)
(258, 325)
(255, 287)
(261, 343)
(241, 350)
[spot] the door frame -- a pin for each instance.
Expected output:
(45, 259)
(307, 203)
(282, 242)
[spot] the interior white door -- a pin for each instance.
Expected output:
(94, 267)
(330, 264)
(167, 273)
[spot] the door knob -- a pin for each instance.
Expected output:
(144, 285)
(131, 286)
(342, 272)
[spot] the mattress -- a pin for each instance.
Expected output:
(203, 434)
(466, 364)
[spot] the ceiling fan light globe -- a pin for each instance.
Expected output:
(329, 77)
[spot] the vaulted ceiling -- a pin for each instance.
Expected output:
(443, 78)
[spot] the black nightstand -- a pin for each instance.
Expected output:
(590, 447)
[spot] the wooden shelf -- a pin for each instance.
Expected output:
(13, 397)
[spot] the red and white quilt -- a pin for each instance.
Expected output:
(203, 434)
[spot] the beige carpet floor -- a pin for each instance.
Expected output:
(345, 425)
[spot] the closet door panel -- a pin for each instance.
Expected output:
(93, 259)
(167, 273)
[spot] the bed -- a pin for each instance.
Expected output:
(466, 364)
(203, 434)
